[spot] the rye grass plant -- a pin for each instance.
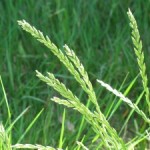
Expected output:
(104, 132)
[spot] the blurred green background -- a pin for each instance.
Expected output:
(98, 31)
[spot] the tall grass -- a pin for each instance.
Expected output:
(105, 133)
(140, 56)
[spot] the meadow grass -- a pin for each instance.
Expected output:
(109, 137)
(23, 58)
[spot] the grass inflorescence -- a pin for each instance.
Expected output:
(109, 137)
(105, 135)
(139, 55)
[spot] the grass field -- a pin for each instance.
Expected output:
(99, 33)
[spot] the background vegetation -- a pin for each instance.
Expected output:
(99, 33)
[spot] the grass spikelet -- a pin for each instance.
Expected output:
(82, 145)
(109, 136)
(125, 99)
(56, 51)
(75, 60)
(31, 146)
(139, 54)
(4, 140)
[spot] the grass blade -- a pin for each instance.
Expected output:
(62, 130)
(31, 124)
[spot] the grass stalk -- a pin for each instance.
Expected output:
(98, 121)
(139, 55)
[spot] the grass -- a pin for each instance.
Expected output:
(111, 37)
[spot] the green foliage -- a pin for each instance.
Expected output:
(99, 34)
(96, 119)
(108, 135)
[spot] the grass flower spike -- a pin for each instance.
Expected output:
(140, 55)
(109, 138)
(100, 125)
(125, 99)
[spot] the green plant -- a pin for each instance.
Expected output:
(98, 121)
(5, 143)
(108, 136)
(140, 56)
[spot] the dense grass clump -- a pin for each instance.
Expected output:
(105, 120)
(107, 135)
